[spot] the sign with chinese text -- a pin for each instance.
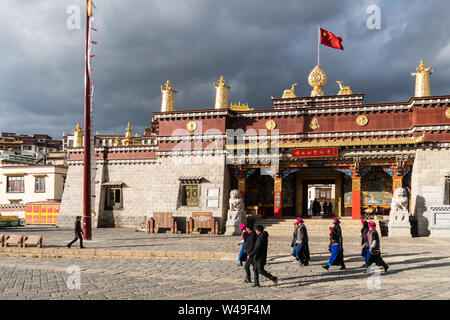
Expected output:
(315, 152)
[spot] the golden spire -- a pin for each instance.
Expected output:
(317, 79)
(343, 90)
(422, 80)
(128, 136)
(168, 103)
(290, 93)
(221, 94)
(78, 137)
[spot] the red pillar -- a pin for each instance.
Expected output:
(278, 197)
(356, 196)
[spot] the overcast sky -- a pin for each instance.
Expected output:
(261, 47)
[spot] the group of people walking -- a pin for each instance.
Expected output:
(254, 252)
(254, 248)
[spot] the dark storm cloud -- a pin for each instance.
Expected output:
(260, 47)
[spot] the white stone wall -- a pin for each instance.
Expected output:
(428, 184)
(165, 194)
(148, 188)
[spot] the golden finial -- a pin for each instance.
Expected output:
(343, 90)
(168, 103)
(78, 137)
(317, 79)
(221, 94)
(422, 80)
(290, 93)
(128, 136)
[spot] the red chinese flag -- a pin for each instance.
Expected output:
(329, 39)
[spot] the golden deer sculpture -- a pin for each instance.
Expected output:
(290, 93)
(343, 90)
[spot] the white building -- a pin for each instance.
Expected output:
(21, 184)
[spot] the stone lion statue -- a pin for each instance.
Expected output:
(399, 200)
(235, 209)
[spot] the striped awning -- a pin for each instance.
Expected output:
(113, 184)
(194, 179)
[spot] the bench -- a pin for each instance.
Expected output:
(32, 240)
(162, 220)
(202, 220)
(14, 239)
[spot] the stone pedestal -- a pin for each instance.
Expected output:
(232, 225)
(399, 225)
(440, 221)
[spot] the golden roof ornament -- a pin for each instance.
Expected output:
(221, 94)
(78, 137)
(317, 79)
(343, 90)
(168, 93)
(314, 124)
(240, 107)
(128, 136)
(422, 80)
(290, 93)
(117, 142)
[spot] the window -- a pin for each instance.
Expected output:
(113, 198)
(323, 194)
(39, 184)
(15, 184)
(190, 195)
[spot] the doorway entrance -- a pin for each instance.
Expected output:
(318, 198)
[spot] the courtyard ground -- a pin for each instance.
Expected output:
(124, 264)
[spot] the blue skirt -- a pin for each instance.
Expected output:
(297, 250)
(364, 253)
(334, 253)
(242, 255)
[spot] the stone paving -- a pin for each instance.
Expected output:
(419, 269)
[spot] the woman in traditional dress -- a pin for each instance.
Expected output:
(242, 254)
(334, 248)
(364, 242)
(302, 249)
(337, 227)
(294, 238)
(374, 254)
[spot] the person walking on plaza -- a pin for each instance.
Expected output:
(325, 208)
(334, 248)
(78, 233)
(242, 254)
(315, 207)
(302, 249)
(337, 227)
(249, 245)
(294, 239)
(259, 255)
(374, 249)
(364, 241)
(330, 209)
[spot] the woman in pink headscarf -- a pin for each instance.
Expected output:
(242, 254)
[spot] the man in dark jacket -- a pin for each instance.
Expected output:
(78, 233)
(259, 256)
(249, 245)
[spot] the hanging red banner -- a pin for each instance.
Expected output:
(315, 152)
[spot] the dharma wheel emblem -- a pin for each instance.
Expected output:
(447, 113)
(270, 125)
(314, 124)
(191, 125)
(362, 121)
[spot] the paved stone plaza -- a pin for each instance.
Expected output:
(419, 269)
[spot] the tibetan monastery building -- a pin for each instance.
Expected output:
(189, 161)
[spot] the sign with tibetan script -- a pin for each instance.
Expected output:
(315, 152)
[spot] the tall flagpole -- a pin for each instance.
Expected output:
(318, 45)
(87, 195)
